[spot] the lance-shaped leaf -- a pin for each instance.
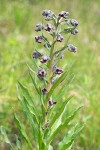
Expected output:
(57, 82)
(63, 88)
(22, 131)
(3, 132)
(42, 144)
(18, 143)
(62, 125)
(29, 99)
(30, 115)
(57, 118)
(34, 83)
(70, 137)
(59, 113)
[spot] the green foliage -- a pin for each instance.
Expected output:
(16, 43)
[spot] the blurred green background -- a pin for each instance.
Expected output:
(17, 23)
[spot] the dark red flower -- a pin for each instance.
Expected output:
(58, 71)
(63, 14)
(44, 91)
(38, 39)
(41, 73)
(48, 27)
(59, 38)
(44, 59)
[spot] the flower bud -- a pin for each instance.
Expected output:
(74, 32)
(48, 27)
(58, 71)
(36, 54)
(44, 91)
(38, 39)
(63, 14)
(39, 27)
(47, 13)
(59, 38)
(41, 73)
(44, 59)
(72, 48)
(73, 22)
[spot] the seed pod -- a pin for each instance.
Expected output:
(73, 22)
(64, 14)
(38, 39)
(41, 73)
(72, 48)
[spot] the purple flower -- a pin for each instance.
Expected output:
(44, 91)
(59, 38)
(41, 73)
(44, 59)
(74, 32)
(47, 13)
(58, 71)
(72, 48)
(36, 54)
(51, 102)
(39, 27)
(63, 14)
(38, 39)
(73, 22)
(48, 27)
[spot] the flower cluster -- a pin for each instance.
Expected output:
(48, 70)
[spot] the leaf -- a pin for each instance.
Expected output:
(60, 112)
(63, 88)
(68, 30)
(3, 132)
(70, 137)
(33, 81)
(30, 115)
(62, 125)
(35, 66)
(22, 131)
(18, 143)
(29, 99)
(57, 82)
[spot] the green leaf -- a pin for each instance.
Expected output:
(68, 30)
(57, 82)
(22, 131)
(35, 66)
(18, 143)
(33, 81)
(60, 112)
(31, 116)
(29, 99)
(3, 132)
(70, 137)
(62, 125)
(63, 88)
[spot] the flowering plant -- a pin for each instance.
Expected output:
(47, 120)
